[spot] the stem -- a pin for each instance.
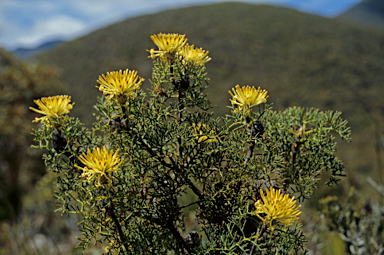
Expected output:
(295, 153)
(126, 122)
(177, 235)
(179, 141)
(252, 144)
(176, 168)
(170, 226)
(249, 154)
(261, 232)
(184, 206)
(117, 224)
(179, 114)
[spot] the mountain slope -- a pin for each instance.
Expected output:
(25, 53)
(300, 59)
(368, 13)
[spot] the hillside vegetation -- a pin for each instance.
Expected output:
(301, 59)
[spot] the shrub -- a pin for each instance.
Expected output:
(129, 174)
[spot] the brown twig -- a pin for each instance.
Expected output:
(184, 206)
(177, 235)
(117, 223)
(261, 232)
(252, 144)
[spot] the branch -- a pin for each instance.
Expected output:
(261, 232)
(176, 168)
(256, 130)
(117, 224)
(249, 154)
(177, 235)
(171, 227)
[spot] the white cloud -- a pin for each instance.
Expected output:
(60, 26)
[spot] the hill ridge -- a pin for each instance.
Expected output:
(367, 13)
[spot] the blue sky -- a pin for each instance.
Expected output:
(29, 23)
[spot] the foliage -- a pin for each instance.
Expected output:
(358, 220)
(166, 142)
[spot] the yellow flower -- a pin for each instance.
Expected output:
(276, 207)
(99, 164)
(247, 97)
(52, 107)
(119, 84)
(199, 129)
(199, 56)
(169, 45)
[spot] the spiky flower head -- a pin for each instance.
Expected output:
(99, 164)
(119, 85)
(247, 97)
(190, 53)
(168, 44)
(52, 107)
(199, 129)
(276, 207)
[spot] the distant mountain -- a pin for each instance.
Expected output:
(368, 13)
(25, 53)
(300, 59)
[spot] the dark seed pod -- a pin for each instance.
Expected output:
(115, 123)
(257, 129)
(182, 84)
(58, 142)
(193, 240)
(103, 179)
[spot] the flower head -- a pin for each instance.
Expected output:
(199, 56)
(199, 129)
(247, 97)
(119, 84)
(99, 164)
(277, 207)
(52, 107)
(169, 45)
